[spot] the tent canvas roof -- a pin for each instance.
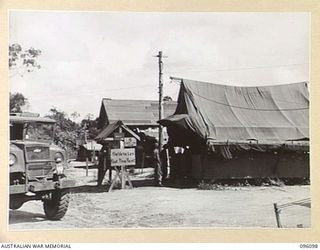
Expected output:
(221, 112)
(135, 112)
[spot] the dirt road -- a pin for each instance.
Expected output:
(154, 207)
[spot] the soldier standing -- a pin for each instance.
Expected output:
(104, 164)
(164, 162)
(157, 165)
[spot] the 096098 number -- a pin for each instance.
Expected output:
(308, 245)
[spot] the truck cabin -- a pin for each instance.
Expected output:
(32, 128)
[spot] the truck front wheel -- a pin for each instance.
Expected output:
(56, 207)
(16, 201)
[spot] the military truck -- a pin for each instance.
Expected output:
(37, 165)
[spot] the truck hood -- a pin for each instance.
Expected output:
(20, 144)
(30, 143)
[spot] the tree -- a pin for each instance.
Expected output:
(89, 116)
(66, 131)
(91, 126)
(17, 102)
(22, 61)
(167, 98)
(75, 115)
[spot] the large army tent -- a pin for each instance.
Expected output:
(243, 125)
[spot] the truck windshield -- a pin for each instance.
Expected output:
(38, 131)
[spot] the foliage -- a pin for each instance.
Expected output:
(75, 115)
(89, 116)
(209, 186)
(66, 131)
(22, 61)
(167, 98)
(91, 126)
(222, 184)
(17, 102)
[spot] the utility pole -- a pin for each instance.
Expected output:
(160, 56)
(85, 133)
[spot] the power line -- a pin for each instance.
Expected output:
(237, 69)
(92, 91)
(133, 87)
(125, 88)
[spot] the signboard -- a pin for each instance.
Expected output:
(130, 142)
(118, 136)
(123, 157)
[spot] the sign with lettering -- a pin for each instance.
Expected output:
(123, 157)
(118, 136)
(130, 142)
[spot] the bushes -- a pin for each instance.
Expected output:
(222, 184)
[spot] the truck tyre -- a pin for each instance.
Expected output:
(57, 206)
(15, 202)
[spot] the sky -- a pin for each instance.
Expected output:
(87, 56)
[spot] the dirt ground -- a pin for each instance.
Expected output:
(147, 206)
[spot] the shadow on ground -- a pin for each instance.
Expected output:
(105, 188)
(16, 216)
(136, 184)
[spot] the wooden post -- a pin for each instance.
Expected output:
(168, 162)
(87, 166)
(142, 163)
(160, 99)
(110, 168)
(123, 181)
(93, 160)
(160, 62)
(277, 212)
(117, 175)
(129, 180)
